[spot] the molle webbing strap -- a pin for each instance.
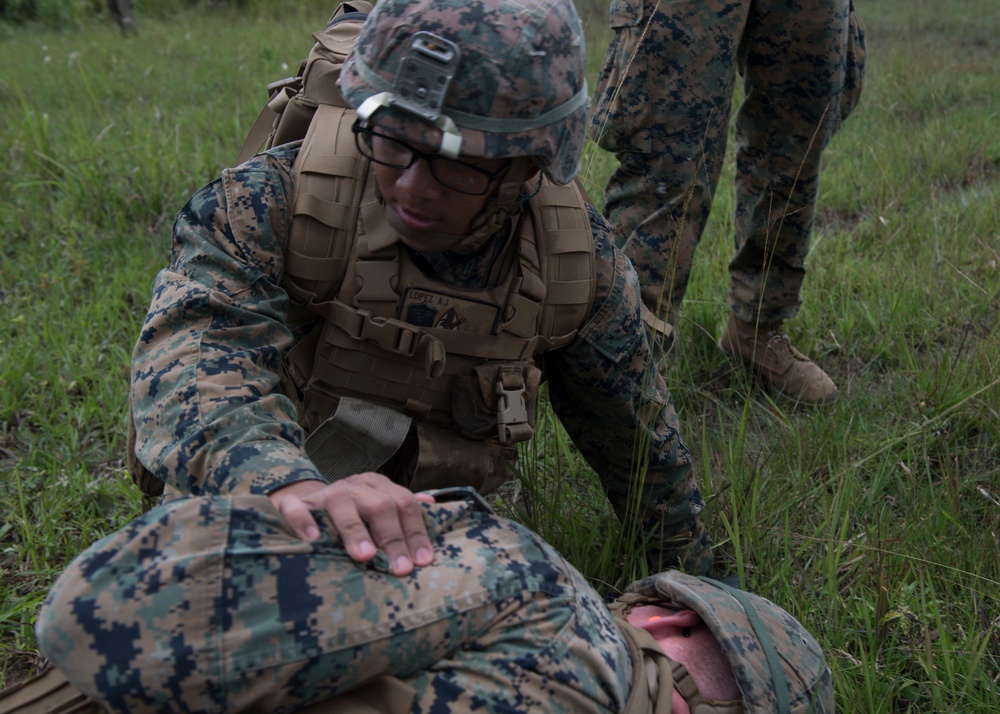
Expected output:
(428, 345)
(560, 218)
(498, 347)
(318, 206)
(330, 176)
(346, 368)
(390, 334)
(661, 327)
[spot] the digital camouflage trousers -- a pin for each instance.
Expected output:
(663, 106)
(209, 604)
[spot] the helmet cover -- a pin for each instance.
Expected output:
(518, 90)
(775, 660)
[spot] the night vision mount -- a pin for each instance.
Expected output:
(422, 79)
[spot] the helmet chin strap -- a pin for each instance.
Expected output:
(502, 205)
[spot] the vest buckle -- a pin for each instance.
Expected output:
(391, 335)
(512, 413)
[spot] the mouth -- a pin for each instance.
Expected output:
(416, 221)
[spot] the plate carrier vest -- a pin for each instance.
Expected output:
(432, 384)
(459, 362)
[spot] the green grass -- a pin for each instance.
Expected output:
(875, 521)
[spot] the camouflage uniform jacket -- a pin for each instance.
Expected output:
(211, 418)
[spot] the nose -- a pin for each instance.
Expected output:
(418, 181)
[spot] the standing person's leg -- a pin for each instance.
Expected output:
(209, 604)
(793, 64)
(663, 105)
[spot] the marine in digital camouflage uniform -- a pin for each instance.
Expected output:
(663, 106)
(212, 603)
(210, 414)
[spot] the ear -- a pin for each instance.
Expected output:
(681, 618)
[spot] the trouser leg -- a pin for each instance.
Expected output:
(792, 59)
(663, 106)
(211, 604)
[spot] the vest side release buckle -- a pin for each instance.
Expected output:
(512, 413)
(389, 334)
(399, 337)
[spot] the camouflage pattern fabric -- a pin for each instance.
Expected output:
(210, 418)
(210, 604)
(519, 89)
(778, 665)
(663, 105)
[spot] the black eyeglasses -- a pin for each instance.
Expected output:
(456, 175)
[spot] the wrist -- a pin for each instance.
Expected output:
(299, 489)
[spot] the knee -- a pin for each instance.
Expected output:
(76, 634)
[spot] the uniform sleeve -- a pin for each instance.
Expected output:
(608, 394)
(209, 414)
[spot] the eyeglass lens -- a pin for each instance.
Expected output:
(456, 175)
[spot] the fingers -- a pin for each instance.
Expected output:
(370, 513)
(397, 525)
(288, 501)
(383, 515)
(299, 517)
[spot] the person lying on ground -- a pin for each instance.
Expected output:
(212, 603)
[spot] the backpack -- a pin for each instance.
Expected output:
(292, 101)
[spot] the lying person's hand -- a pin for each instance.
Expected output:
(370, 513)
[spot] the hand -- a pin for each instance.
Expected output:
(370, 513)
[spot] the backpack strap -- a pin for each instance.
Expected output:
(279, 93)
(287, 114)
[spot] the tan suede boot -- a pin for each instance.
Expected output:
(773, 356)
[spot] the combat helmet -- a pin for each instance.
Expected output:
(779, 666)
(515, 85)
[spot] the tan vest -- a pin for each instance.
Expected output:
(457, 365)
(441, 381)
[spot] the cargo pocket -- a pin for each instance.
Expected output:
(621, 117)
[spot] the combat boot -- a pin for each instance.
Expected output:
(771, 354)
